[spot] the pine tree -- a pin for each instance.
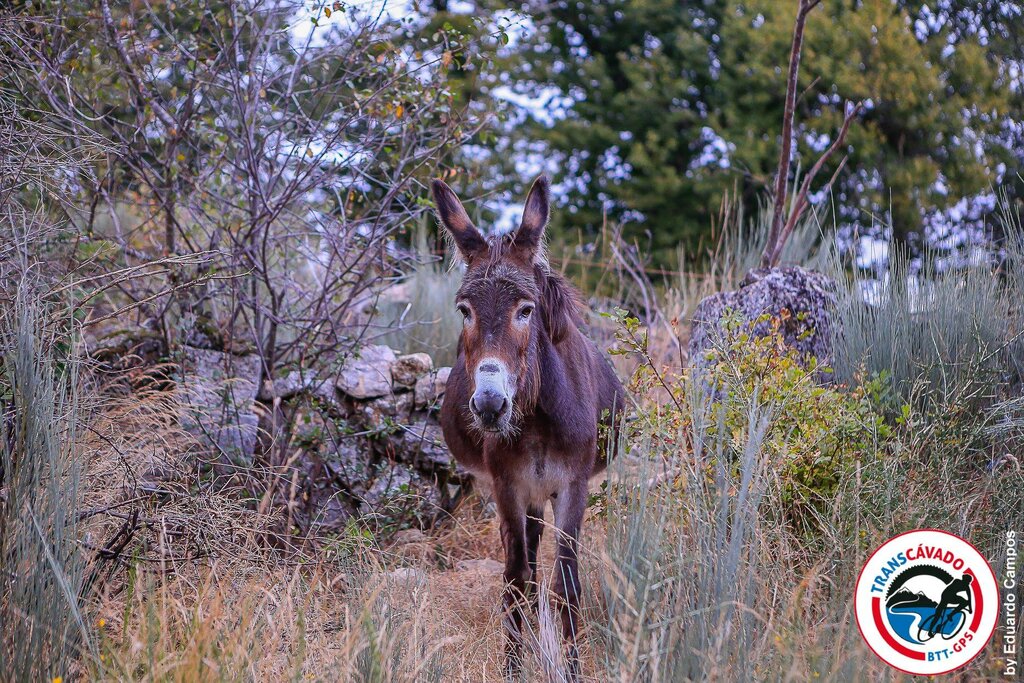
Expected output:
(673, 105)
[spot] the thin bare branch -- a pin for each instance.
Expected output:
(129, 69)
(786, 151)
(800, 203)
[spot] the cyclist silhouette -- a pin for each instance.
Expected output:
(951, 600)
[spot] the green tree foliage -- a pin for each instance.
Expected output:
(637, 75)
(471, 45)
(934, 105)
(671, 106)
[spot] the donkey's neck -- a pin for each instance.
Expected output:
(561, 400)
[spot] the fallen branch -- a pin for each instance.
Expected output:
(165, 292)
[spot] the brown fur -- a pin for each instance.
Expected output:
(564, 391)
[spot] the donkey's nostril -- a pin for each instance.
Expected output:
(488, 406)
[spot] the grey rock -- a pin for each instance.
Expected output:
(406, 536)
(808, 296)
(381, 453)
(237, 440)
(327, 515)
(430, 388)
(483, 566)
(311, 429)
(406, 370)
(407, 577)
(294, 383)
(392, 481)
(322, 502)
(216, 392)
(374, 414)
(367, 375)
(399, 490)
(348, 462)
(422, 443)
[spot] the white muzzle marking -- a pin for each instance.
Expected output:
(495, 389)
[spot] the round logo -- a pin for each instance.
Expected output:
(926, 602)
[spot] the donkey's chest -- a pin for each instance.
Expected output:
(543, 477)
(534, 471)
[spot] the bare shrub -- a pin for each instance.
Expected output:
(287, 163)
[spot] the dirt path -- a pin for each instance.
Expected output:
(463, 592)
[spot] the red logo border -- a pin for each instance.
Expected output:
(860, 628)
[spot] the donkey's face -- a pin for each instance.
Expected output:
(500, 301)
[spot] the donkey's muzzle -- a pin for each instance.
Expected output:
(489, 406)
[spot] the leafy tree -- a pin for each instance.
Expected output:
(672, 105)
(633, 77)
(473, 40)
(268, 174)
(934, 105)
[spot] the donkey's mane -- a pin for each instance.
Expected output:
(561, 305)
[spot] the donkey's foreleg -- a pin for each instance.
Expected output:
(570, 506)
(512, 512)
(534, 531)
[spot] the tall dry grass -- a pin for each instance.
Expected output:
(42, 571)
(693, 572)
(226, 622)
(939, 339)
(423, 317)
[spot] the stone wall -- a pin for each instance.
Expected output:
(367, 438)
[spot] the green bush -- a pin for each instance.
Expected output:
(815, 434)
(746, 503)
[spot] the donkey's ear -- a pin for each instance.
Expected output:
(468, 239)
(535, 216)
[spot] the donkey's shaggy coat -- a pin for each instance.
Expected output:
(525, 402)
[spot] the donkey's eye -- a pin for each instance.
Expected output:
(464, 310)
(525, 312)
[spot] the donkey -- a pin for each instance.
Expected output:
(531, 405)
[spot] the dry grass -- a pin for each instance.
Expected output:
(237, 618)
(200, 597)
(141, 460)
(247, 615)
(684, 581)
